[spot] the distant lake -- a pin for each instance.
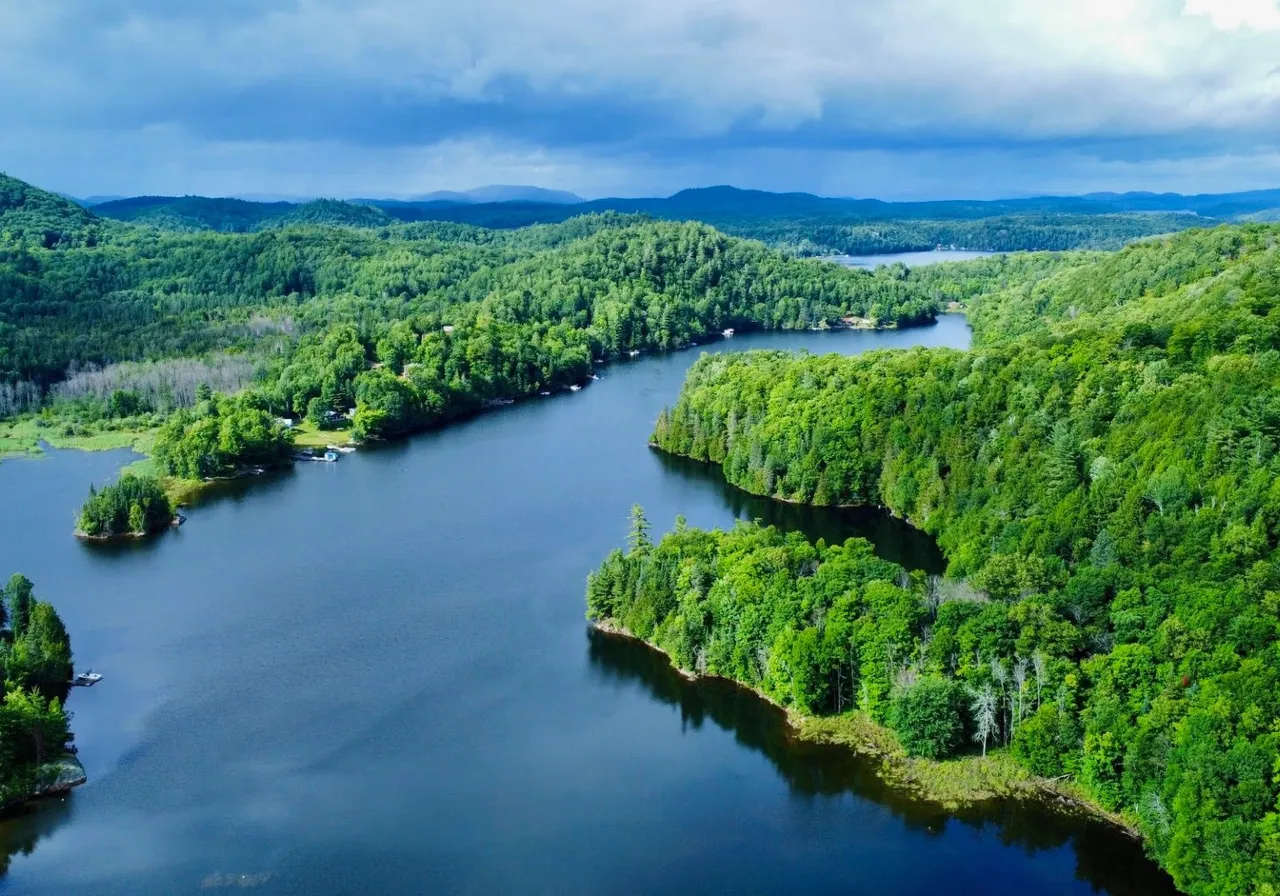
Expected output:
(910, 259)
(375, 676)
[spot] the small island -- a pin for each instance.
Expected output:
(36, 756)
(221, 437)
(133, 507)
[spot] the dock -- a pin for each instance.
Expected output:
(330, 456)
(85, 679)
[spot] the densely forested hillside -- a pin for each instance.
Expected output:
(407, 325)
(1102, 470)
(194, 213)
(1009, 233)
(32, 216)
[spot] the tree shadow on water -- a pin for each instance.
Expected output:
(1106, 859)
(894, 539)
(23, 827)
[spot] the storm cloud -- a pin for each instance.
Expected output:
(392, 97)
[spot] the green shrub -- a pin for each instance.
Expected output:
(928, 717)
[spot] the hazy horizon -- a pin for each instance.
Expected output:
(99, 198)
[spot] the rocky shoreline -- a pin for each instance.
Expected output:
(55, 778)
(953, 783)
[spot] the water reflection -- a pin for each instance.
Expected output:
(893, 538)
(24, 827)
(412, 615)
(1104, 860)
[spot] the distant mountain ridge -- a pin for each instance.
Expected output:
(90, 201)
(501, 193)
(719, 202)
(799, 223)
(517, 206)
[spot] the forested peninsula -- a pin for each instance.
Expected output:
(1102, 471)
(36, 756)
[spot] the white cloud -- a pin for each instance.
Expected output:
(166, 161)
(647, 87)
(1232, 14)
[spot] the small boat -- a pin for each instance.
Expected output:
(575, 388)
(86, 679)
(728, 332)
(331, 456)
(544, 393)
(634, 352)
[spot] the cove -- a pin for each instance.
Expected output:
(910, 259)
(375, 676)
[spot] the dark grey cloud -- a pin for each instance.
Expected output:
(642, 91)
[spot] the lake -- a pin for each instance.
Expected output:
(910, 259)
(375, 676)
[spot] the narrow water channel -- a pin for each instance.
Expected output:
(375, 676)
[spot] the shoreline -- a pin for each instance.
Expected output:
(26, 434)
(68, 773)
(178, 520)
(968, 780)
(794, 502)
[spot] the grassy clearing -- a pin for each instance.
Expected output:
(951, 783)
(15, 446)
(306, 435)
(23, 436)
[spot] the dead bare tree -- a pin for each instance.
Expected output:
(986, 715)
(1040, 664)
(1019, 688)
(163, 385)
(19, 398)
(1000, 675)
(959, 590)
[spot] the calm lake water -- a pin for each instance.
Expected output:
(910, 259)
(375, 677)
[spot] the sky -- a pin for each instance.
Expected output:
(897, 99)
